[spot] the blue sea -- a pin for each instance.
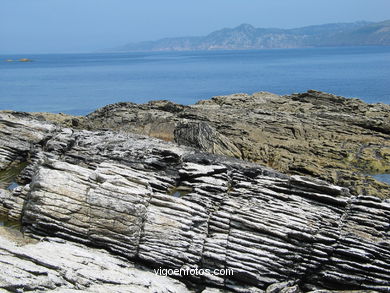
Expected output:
(383, 177)
(79, 83)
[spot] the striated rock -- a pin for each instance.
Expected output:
(285, 287)
(154, 118)
(54, 265)
(204, 137)
(167, 206)
(313, 134)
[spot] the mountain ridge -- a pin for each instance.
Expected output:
(246, 36)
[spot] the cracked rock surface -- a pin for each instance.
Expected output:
(156, 204)
(313, 134)
(55, 265)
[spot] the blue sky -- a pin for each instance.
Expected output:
(43, 26)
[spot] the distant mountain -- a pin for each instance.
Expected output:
(246, 36)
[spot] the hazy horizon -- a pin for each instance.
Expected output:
(70, 26)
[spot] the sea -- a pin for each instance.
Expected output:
(80, 83)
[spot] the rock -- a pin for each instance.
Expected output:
(61, 119)
(25, 60)
(204, 137)
(153, 119)
(315, 134)
(285, 287)
(51, 266)
(113, 190)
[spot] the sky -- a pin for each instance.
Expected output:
(66, 26)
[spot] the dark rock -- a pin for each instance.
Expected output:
(204, 137)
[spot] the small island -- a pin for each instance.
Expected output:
(19, 60)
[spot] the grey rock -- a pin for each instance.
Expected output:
(114, 191)
(68, 267)
(282, 287)
(202, 136)
(315, 134)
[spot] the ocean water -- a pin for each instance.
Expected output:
(383, 178)
(80, 83)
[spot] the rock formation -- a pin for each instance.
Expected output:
(55, 265)
(312, 134)
(154, 204)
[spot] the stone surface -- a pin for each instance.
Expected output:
(54, 265)
(167, 206)
(313, 134)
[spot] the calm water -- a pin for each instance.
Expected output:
(80, 83)
(383, 177)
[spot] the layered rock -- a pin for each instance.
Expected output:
(312, 134)
(54, 265)
(167, 206)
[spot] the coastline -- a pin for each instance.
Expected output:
(336, 139)
(114, 190)
(249, 155)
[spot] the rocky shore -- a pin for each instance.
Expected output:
(101, 206)
(313, 134)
